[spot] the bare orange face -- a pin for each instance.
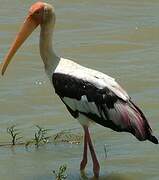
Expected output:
(34, 18)
(36, 11)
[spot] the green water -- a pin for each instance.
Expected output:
(117, 37)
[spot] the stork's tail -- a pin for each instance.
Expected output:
(153, 139)
(128, 117)
(148, 131)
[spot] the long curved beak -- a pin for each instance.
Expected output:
(27, 28)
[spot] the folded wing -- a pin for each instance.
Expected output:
(103, 101)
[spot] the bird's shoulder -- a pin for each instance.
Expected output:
(72, 68)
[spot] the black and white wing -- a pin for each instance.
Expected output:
(99, 98)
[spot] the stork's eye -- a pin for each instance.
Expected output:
(46, 10)
(37, 12)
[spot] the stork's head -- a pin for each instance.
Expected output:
(40, 13)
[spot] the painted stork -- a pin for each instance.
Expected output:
(88, 95)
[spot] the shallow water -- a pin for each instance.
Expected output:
(118, 37)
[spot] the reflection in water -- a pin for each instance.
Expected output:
(114, 176)
(111, 176)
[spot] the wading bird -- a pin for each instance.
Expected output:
(89, 95)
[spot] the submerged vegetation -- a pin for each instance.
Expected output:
(61, 173)
(14, 134)
(66, 136)
(40, 137)
(106, 150)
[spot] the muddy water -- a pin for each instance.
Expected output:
(120, 38)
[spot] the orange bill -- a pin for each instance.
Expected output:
(26, 29)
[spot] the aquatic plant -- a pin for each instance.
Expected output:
(40, 137)
(61, 173)
(66, 136)
(13, 132)
(106, 150)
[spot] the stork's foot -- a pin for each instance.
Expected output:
(83, 175)
(83, 164)
(96, 169)
(94, 178)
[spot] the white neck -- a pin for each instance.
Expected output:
(46, 47)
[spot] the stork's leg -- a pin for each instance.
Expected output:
(84, 160)
(96, 166)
